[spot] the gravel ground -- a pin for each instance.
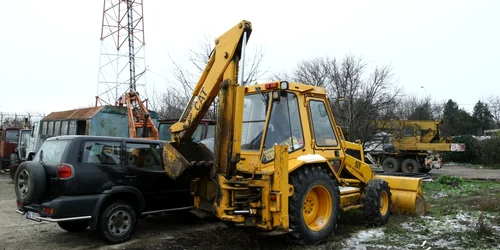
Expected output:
(16, 232)
(467, 172)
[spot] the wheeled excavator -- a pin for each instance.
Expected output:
(410, 146)
(280, 163)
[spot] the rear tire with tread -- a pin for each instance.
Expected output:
(313, 184)
(117, 222)
(377, 202)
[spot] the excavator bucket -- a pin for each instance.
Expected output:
(180, 157)
(407, 194)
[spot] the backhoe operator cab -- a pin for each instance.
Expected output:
(279, 162)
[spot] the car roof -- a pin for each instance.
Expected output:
(96, 137)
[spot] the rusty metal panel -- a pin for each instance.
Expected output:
(74, 114)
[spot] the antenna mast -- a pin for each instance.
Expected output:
(122, 50)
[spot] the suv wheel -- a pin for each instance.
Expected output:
(74, 225)
(117, 222)
(30, 182)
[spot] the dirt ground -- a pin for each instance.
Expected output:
(161, 232)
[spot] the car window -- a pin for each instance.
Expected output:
(51, 151)
(144, 155)
(101, 152)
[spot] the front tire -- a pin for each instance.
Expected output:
(74, 226)
(314, 205)
(117, 222)
(377, 202)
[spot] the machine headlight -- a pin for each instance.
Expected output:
(284, 85)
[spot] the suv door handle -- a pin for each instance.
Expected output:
(130, 176)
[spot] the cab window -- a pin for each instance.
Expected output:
(284, 127)
(254, 117)
(408, 131)
(322, 126)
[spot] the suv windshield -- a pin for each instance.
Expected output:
(51, 151)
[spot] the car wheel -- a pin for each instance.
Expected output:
(377, 202)
(314, 205)
(117, 222)
(30, 182)
(74, 225)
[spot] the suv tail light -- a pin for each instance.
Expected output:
(65, 171)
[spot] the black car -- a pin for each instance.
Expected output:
(104, 183)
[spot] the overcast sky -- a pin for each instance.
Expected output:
(51, 49)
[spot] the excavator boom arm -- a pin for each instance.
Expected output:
(227, 47)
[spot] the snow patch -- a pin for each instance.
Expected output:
(311, 158)
(357, 240)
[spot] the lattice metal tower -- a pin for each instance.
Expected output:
(122, 63)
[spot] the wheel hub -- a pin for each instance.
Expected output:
(317, 208)
(119, 222)
(23, 183)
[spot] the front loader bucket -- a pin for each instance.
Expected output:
(407, 194)
(179, 157)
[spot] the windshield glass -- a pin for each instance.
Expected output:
(25, 135)
(284, 126)
(11, 135)
(51, 151)
(254, 116)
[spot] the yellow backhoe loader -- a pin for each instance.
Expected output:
(280, 163)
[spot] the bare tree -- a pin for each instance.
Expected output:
(412, 107)
(253, 64)
(366, 98)
(186, 79)
(495, 109)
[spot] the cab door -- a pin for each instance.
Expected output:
(325, 140)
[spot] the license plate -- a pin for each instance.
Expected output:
(32, 216)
